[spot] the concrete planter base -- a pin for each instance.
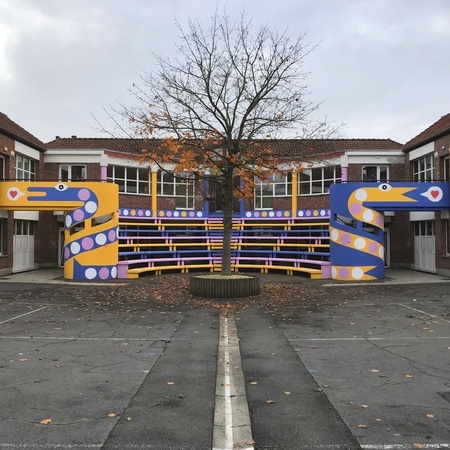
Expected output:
(221, 286)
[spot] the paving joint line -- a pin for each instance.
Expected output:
(231, 415)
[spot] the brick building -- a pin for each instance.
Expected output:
(413, 240)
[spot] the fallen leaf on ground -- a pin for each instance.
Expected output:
(362, 425)
(171, 383)
(431, 416)
(112, 415)
(374, 370)
(417, 445)
(270, 402)
(287, 392)
(129, 419)
(253, 382)
(409, 376)
(46, 421)
(364, 406)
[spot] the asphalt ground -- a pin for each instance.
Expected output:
(137, 364)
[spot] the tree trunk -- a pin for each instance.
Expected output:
(227, 221)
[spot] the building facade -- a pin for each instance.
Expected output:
(35, 239)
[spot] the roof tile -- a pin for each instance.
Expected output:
(429, 134)
(15, 131)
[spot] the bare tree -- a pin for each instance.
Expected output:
(219, 103)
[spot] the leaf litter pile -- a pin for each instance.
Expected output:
(280, 294)
(286, 297)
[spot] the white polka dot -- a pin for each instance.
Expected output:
(114, 272)
(148, 213)
(248, 214)
(368, 216)
(75, 248)
(176, 214)
(90, 207)
(100, 239)
(361, 195)
(90, 273)
(381, 252)
(300, 214)
(360, 243)
(68, 221)
(357, 273)
(125, 212)
(335, 235)
(333, 272)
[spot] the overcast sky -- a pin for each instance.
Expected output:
(382, 66)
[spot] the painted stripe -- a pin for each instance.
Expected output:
(51, 446)
(423, 312)
(369, 339)
(73, 338)
(403, 446)
(23, 315)
(228, 444)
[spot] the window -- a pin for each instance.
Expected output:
(423, 168)
(277, 185)
(446, 169)
(25, 168)
(72, 172)
(446, 237)
(180, 186)
(375, 173)
(3, 233)
(131, 180)
(318, 180)
(2, 168)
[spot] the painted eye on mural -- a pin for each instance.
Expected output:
(385, 187)
(61, 187)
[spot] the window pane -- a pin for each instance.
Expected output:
(64, 173)
(131, 186)
(119, 172)
(78, 173)
(143, 188)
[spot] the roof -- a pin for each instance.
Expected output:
(433, 132)
(284, 147)
(13, 130)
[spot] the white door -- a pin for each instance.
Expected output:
(424, 246)
(23, 242)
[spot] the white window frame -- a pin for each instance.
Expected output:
(378, 169)
(316, 180)
(423, 168)
(3, 234)
(23, 173)
(131, 180)
(179, 186)
(2, 167)
(70, 169)
(277, 185)
(446, 168)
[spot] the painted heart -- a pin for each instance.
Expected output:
(14, 193)
(434, 194)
